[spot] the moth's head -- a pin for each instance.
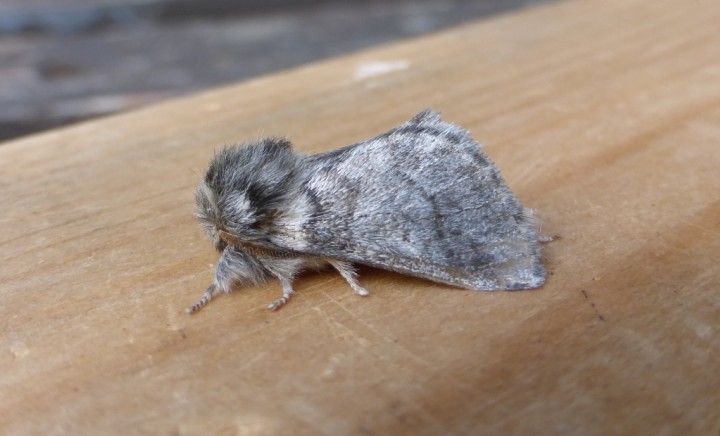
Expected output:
(245, 189)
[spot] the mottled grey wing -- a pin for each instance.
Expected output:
(422, 199)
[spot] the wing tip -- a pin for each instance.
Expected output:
(530, 277)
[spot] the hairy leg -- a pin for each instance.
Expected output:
(285, 270)
(205, 299)
(287, 292)
(348, 272)
(235, 268)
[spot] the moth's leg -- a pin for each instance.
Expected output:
(235, 268)
(348, 272)
(287, 292)
(285, 270)
(205, 299)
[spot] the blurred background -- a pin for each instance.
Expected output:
(63, 61)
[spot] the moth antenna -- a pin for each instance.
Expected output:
(205, 299)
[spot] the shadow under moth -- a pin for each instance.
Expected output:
(421, 199)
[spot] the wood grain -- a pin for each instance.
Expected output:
(603, 116)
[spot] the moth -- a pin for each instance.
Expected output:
(421, 199)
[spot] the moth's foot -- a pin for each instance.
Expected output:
(205, 299)
(287, 292)
(347, 271)
(277, 304)
(360, 291)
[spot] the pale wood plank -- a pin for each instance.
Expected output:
(603, 116)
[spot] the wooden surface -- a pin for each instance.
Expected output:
(603, 116)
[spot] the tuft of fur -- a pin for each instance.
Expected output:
(246, 189)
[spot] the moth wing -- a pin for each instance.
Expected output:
(421, 199)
